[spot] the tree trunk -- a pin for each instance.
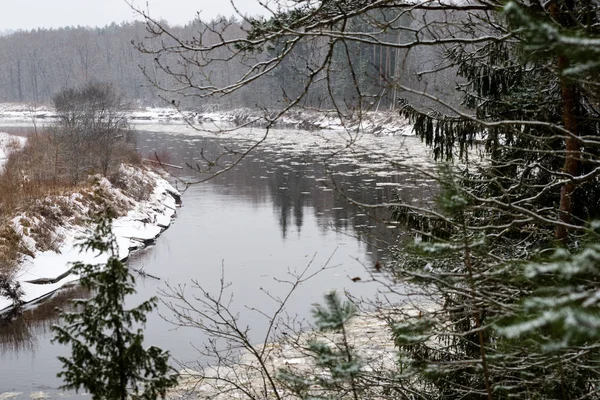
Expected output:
(570, 102)
(572, 150)
(19, 87)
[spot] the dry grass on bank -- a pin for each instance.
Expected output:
(37, 182)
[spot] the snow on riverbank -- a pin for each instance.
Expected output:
(379, 123)
(143, 216)
(8, 144)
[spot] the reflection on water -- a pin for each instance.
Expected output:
(272, 214)
(19, 333)
(15, 334)
(299, 181)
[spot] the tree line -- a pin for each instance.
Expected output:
(40, 63)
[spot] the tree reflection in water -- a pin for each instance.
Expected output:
(19, 331)
(296, 181)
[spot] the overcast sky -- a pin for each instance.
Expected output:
(30, 14)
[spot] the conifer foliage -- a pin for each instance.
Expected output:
(506, 266)
(339, 366)
(108, 358)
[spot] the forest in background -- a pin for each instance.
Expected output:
(38, 64)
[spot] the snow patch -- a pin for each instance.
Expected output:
(9, 144)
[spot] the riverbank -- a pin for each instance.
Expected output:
(46, 234)
(376, 122)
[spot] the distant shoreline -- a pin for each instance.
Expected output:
(378, 123)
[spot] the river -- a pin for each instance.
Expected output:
(272, 216)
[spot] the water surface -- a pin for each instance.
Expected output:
(257, 226)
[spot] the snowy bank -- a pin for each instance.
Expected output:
(8, 144)
(145, 201)
(375, 122)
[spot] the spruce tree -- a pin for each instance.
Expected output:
(107, 355)
(337, 368)
(507, 255)
(517, 317)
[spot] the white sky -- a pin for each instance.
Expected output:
(30, 14)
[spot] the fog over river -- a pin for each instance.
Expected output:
(272, 215)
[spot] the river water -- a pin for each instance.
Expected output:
(275, 214)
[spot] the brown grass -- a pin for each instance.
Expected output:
(34, 184)
(135, 186)
(11, 247)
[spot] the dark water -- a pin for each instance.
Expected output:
(258, 225)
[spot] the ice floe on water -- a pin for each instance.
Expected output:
(10, 395)
(367, 334)
(378, 135)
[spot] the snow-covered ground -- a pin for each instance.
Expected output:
(380, 123)
(8, 144)
(41, 272)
